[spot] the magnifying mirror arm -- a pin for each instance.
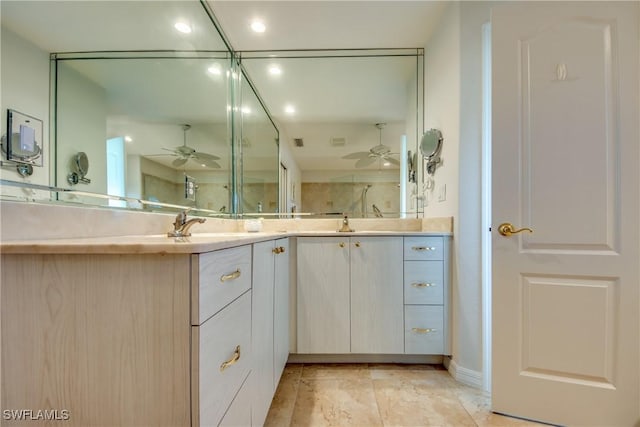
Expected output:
(432, 163)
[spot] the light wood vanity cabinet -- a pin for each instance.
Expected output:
(221, 331)
(350, 297)
(131, 339)
(373, 295)
(270, 320)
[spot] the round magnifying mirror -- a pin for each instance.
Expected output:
(431, 143)
(82, 164)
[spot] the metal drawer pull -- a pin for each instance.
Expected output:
(278, 250)
(357, 244)
(423, 248)
(423, 330)
(232, 361)
(230, 276)
(423, 285)
(341, 244)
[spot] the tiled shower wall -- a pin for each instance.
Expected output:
(346, 197)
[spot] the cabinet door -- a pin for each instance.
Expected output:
(281, 310)
(262, 330)
(377, 303)
(323, 295)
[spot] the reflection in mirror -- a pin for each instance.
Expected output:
(149, 123)
(259, 148)
(348, 118)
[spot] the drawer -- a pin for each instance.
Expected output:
(423, 282)
(222, 276)
(423, 329)
(239, 413)
(216, 343)
(421, 248)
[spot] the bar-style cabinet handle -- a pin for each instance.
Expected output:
(232, 361)
(423, 285)
(230, 276)
(423, 330)
(423, 248)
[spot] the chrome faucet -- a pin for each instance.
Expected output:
(345, 225)
(181, 226)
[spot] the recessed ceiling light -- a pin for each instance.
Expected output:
(289, 109)
(183, 27)
(386, 164)
(127, 138)
(215, 69)
(275, 70)
(258, 26)
(246, 110)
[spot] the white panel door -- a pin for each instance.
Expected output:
(565, 164)
(323, 295)
(377, 302)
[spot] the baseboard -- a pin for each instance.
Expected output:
(464, 375)
(365, 358)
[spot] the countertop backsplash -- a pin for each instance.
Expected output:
(35, 221)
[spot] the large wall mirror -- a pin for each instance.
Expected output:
(154, 127)
(157, 120)
(351, 120)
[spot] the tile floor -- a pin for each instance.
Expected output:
(378, 395)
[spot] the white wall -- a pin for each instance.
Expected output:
(24, 83)
(453, 104)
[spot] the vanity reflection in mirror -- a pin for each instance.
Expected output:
(430, 148)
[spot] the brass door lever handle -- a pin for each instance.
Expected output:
(507, 229)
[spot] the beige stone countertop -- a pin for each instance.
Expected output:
(161, 244)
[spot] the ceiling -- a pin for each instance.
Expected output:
(327, 94)
(328, 24)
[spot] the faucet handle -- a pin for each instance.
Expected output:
(181, 218)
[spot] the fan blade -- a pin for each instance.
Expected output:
(171, 150)
(365, 162)
(179, 162)
(205, 156)
(358, 155)
(392, 161)
(209, 163)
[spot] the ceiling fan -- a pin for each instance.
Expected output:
(186, 153)
(380, 153)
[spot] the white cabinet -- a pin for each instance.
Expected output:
(239, 413)
(373, 295)
(350, 295)
(376, 295)
(323, 295)
(281, 309)
(270, 322)
(222, 358)
(426, 295)
(222, 331)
